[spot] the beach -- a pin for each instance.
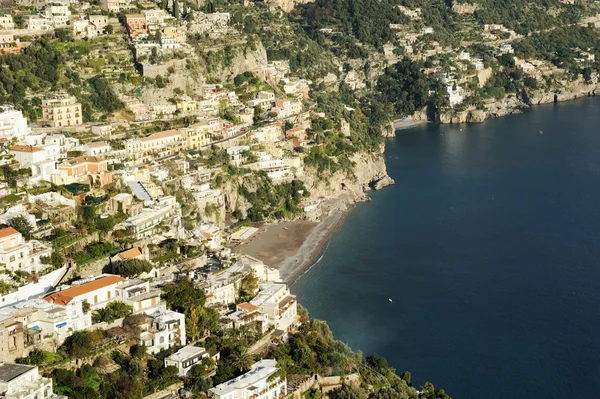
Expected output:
(293, 247)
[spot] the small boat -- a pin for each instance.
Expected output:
(390, 299)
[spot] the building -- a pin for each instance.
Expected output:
(97, 292)
(261, 382)
(187, 357)
(163, 330)
(197, 135)
(186, 104)
(136, 25)
(115, 5)
(8, 44)
(6, 22)
(246, 314)
(97, 148)
(15, 338)
(86, 170)
(125, 203)
(18, 254)
(55, 320)
(159, 144)
(18, 381)
(236, 154)
(61, 111)
(57, 15)
(99, 21)
(281, 307)
(37, 23)
(13, 124)
(83, 28)
(143, 224)
(138, 294)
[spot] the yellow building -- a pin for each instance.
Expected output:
(62, 111)
(156, 145)
(178, 34)
(197, 135)
(186, 104)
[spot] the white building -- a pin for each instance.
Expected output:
(138, 294)
(143, 224)
(97, 148)
(18, 254)
(55, 320)
(18, 381)
(56, 15)
(258, 383)
(13, 124)
(281, 307)
(6, 22)
(97, 292)
(236, 154)
(164, 330)
(37, 23)
(187, 357)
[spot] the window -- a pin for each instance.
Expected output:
(12, 259)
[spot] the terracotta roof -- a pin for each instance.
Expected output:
(64, 297)
(206, 235)
(131, 253)
(8, 231)
(83, 159)
(248, 306)
(95, 144)
(25, 148)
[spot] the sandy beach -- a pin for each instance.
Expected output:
(293, 247)
(406, 124)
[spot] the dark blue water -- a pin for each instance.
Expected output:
(489, 246)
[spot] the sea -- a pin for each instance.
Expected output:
(479, 270)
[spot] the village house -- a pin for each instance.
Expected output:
(198, 135)
(136, 25)
(6, 22)
(138, 294)
(61, 111)
(19, 381)
(115, 5)
(261, 382)
(187, 357)
(54, 320)
(15, 338)
(96, 292)
(163, 330)
(83, 28)
(18, 254)
(125, 203)
(13, 125)
(130, 254)
(37, 159)
(37, 23)
(57, 15)
(144, 223)
(245, 314)
(8, 44)
(85, 169)
(97, 148)
(158, 144)
(281, 307)
(99, 21)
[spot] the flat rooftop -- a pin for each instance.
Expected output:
(10, 371)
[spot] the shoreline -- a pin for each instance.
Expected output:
(313, 248)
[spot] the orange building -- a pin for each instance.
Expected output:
(136, 24)
(92, 170)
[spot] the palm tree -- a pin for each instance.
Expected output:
(242, 359)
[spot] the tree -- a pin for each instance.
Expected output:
(80, 344)
(131, 267)
(192, 320)
(22, 225)
(242, 359)
(248, 287)
(113, 311)
(176, 12)
(109, 29)
(138, 351)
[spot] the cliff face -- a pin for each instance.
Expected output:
(369, 172)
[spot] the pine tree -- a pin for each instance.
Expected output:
(176, 12)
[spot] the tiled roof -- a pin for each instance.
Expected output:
(64, 297)
(25, 148)
(248, 306)
(131, 253)
(8, 231)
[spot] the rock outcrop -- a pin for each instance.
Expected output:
(369, 172)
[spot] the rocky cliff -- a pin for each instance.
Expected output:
(369, 173)
(513, 104)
